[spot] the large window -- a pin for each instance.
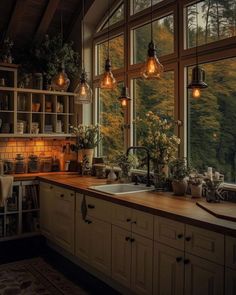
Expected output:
(111, 118)
(216, 21)
(212, 121)
(139, 5)
(163, 30)
(157, 97)
(117, 15)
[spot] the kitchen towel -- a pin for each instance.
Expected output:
(6, 183)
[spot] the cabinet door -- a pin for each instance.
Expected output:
(142, 223)
(205, 243)
(168, 273)
(101, 246)
(46, 205)
(98, 208)
(169, 232)
(230, 252)
(64, 218)
(121, 256)
(121, 216)
(203, 277)
(82, 238)
(141, 270)
(230, 282)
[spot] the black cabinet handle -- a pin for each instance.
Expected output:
(186, 261)
(134, 222)
(188, 239)
(62, 195)
(72, 194)
(128, 219)
(132, 240)
(178, 259)
(127, 238)
(180, 236)
(51, 187)
(88, 221)
(91, 206)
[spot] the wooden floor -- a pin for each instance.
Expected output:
(36, 247)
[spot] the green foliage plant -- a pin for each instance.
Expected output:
(179, 169)
(126, 162)
(87, 136)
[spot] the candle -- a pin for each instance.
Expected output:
(209, 172)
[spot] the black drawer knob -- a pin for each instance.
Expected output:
(88, 221)
(127, 238)
(128, 219)
(91, 206)
(188, 239)
(186, 261)
(132, 240)
(180, 236)
(178, 259)
(62, 195)
(134, 222)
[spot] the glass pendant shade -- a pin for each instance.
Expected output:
(124, 98)
(60, 82)
(197, 83)
(153, 69)
(84, 93)
(108, 81)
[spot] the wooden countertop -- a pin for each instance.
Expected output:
(182, 209)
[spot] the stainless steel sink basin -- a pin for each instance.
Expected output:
(121, 188)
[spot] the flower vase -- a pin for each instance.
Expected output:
(160, 176)
(88, 154)
(179, 187)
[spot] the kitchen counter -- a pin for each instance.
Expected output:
(182, 209)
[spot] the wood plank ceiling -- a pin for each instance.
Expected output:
(27, 21)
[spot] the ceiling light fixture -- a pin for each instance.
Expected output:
(61, 82)
(198, 74)
(83, 90)
(153, 69)
(108, 81)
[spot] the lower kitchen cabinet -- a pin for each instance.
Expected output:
(46, 206)
(57, 215)
(132, 257)
(203, 276)
(168, 273)
(93, 243)
(230, 281)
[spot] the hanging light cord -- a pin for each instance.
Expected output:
(83, 37)
(196, 35)
(108, 31)
(61, 31)
(151, 22)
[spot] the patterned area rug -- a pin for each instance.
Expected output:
(33, 277)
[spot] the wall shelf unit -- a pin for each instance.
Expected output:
(32, 112)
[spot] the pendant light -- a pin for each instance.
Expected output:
(108, 81)
(83, 90)
(60, 81)
(198, 74)
(124, 97)
(153, 69)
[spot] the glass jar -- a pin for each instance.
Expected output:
(33, 164)
(20, 165)
(46, 164)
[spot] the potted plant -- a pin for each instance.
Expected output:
(179, 173)
(126, 162)
(158, 135)
(87, 138)
(196, 184)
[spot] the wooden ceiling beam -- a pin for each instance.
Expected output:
(46, 20)
(17, 13)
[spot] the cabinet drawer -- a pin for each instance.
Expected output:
(205, 243)
(230, 281)
(46, 186)
(230, 252)
(169, 232)
(142, 223)
(98, 208)
(64, 193)
(121, 216)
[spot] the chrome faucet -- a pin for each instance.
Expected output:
(148, 160)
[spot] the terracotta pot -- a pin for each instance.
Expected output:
(179, 187)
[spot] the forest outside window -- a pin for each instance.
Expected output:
(117, 16)
(111, 119)
(140, 5)
(216, 21)
(211, 132)
(163, 30)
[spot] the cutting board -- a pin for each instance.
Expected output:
(224, 210)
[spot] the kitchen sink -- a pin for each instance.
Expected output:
(121, 188)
